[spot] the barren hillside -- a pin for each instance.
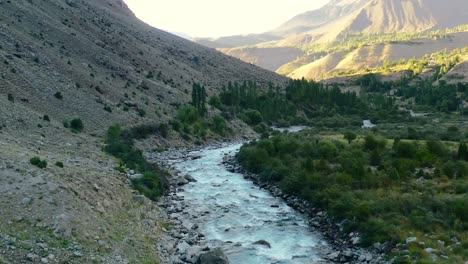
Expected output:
(92, 60)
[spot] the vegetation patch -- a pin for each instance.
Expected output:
(36, 161)
(119, 143)
(388, 190)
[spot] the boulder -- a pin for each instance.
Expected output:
(190, 178)
(182, 182)
(334, 256)
(262, 243)
(411, 240)
(137, 176)
(215, 256)
(355, 240)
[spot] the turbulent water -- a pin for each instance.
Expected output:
(240, 214)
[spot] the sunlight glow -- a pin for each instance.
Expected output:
(216, 18)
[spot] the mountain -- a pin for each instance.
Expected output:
(94, 61)
(344, 21)
(377, 17)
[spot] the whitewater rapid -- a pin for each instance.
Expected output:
(234, 213)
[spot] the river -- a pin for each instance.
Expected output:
(241, 213)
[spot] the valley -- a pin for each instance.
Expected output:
(123, 143)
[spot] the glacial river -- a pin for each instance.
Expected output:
(241, 214)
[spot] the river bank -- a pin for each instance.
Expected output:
(187, 235)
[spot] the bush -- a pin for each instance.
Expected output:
(141, 112)
(219, 125)
(108, 109)
(58, 95)
(76, 125)
(59, 164)
(66, 124)
(46, 118)
(36, 161)
(176, 125)
(164, 130)
(215, 102)
(11, 98)
(188, 114)
(252, 117)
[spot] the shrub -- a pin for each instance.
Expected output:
(76, 125)
(219, 125)
(59, 164)
(11, 98)
(108, 109)
(58, 95)
(215, 102)
(36, 161)
(188, 114)
(66, 124)
(176, 125)
(46, 118)
(141, 112)
(163, 130)
(252, 117)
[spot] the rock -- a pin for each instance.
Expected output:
(182, 247)
(430, 250)
(190, 178)
(215, 256)
(31, 257)
(441, 243)
(262, 243)
(365, 258)
(96, 187)
(44, 260)
(333, 256)
(377, 245)
(182, 181)
(26, 200)
(348, 254)
(139, 198)
(135, 177)
(355, 240)
(411, 240)
(130, 104)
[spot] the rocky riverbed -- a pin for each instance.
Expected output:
(214, 204)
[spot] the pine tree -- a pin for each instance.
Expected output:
(463, 152)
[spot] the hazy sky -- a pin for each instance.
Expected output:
(215, 18)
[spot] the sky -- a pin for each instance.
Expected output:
(216, 18)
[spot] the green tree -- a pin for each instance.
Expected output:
(462, 151)
(76, 125)
(350, 136)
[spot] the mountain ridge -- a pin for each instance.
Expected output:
(342, 20)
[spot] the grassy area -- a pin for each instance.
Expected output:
(387, 190)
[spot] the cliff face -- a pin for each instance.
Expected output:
(93, 60)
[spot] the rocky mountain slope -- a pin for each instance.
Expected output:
(342, 20)
(92, 60)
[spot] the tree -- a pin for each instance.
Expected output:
(199, 98)
(462, 152)
(350, 136)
